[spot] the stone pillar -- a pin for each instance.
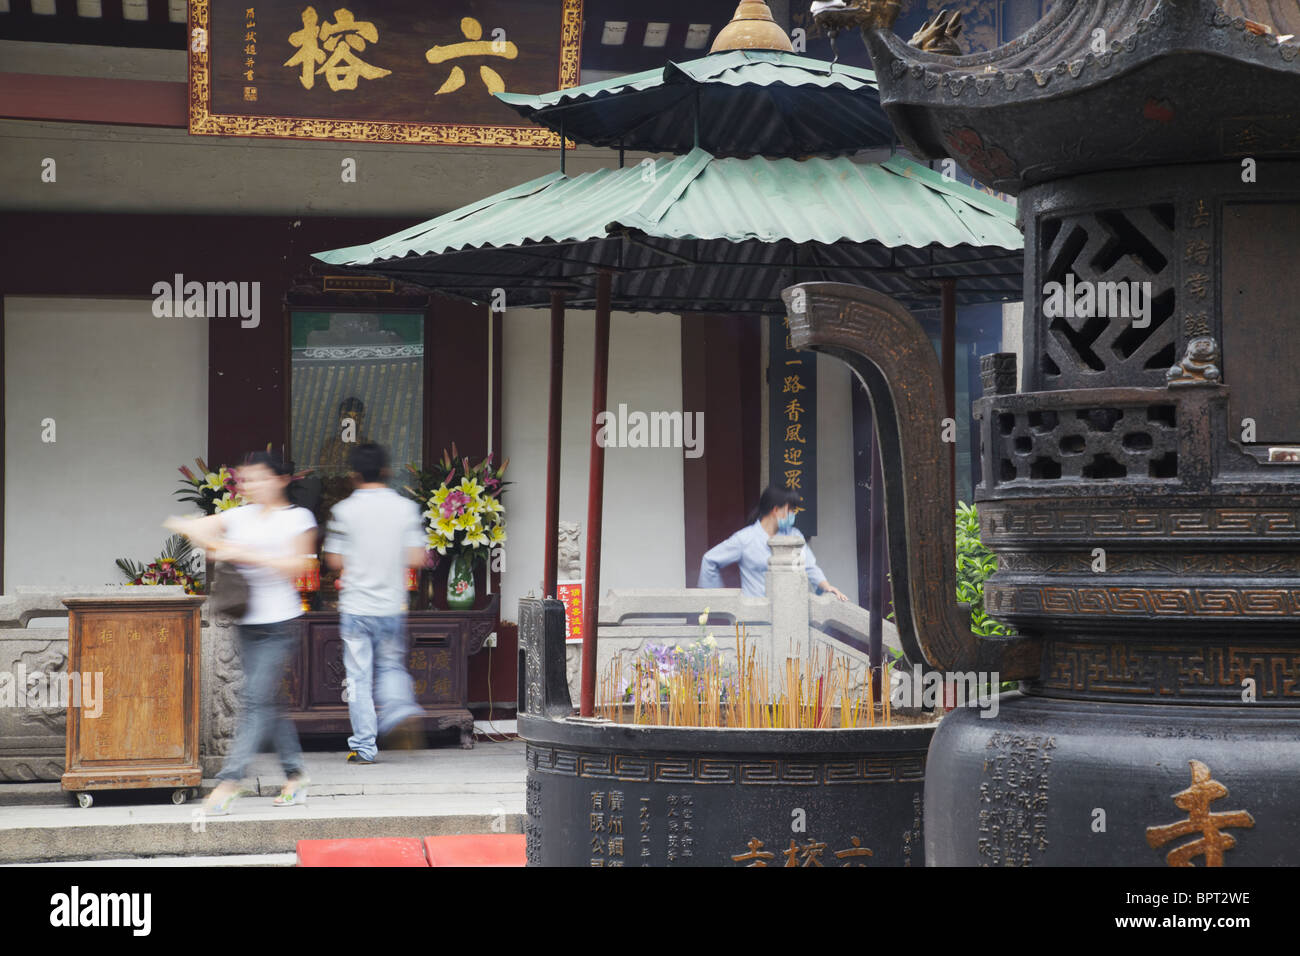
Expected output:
(221, 678)
(787, 590)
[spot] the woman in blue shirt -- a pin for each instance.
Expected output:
(749, 548)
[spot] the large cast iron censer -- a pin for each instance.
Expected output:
(1142, 488)
(607, 794)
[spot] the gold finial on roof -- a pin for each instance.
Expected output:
(752, 28)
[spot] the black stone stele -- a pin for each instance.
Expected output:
(605, 794)
(1142, 492)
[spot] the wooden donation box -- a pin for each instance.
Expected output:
(135, 723)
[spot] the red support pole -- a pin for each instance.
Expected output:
(550, 565)
(595, 498)
(948, 338)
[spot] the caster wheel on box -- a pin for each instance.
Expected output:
(85, 800)
(180, 796)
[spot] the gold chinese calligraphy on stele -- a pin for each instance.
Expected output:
(473, 45)
(810, 854)
(1196, 800)
(342, 41)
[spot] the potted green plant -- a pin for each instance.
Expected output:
(179, 564)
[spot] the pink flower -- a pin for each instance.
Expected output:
(454, 504)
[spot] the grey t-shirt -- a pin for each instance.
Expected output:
(371, 529)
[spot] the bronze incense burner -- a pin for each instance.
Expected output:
(1142, 487)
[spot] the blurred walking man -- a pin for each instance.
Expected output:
(374, 535)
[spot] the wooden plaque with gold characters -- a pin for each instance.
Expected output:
(133, 693)
(396, 71)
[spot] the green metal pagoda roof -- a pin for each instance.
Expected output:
(699, 233)
(750, 102)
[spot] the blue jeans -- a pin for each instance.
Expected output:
(374, 656)
(264, 651)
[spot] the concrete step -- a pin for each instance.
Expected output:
(254, 826)
(35, 794)
(53, 795)
(405, 794)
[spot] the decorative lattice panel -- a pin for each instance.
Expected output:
(1106, 249)
(1087, 444)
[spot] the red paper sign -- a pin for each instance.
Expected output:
(310, 579)
(570, 595)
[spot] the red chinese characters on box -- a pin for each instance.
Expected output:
(570, 595)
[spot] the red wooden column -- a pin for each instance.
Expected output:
(595, 498)
(948, 355)
(722, 377)
(550, 571)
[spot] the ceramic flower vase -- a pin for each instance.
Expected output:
(460, 583)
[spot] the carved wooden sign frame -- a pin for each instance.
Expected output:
(378, 73)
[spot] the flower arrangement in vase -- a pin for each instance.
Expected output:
(464, 516)
(211, 491)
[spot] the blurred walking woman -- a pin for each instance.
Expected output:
(269, 541)
(748, 547)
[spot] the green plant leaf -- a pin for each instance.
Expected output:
(974, 564)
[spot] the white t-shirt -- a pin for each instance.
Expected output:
(371, 529)
(271, 596)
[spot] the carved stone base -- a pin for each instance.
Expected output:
(31, 737)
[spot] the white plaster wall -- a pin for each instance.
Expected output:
(103, 168)
(835, 543)
(129, 396)
(643, 536)
(138, 169)
(82, 59)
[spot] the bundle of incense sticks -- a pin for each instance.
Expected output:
(695, 694)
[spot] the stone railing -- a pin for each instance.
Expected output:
(789, 622)
(34, 638)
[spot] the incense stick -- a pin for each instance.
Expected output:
(698, 691)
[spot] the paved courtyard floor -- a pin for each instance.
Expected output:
(406, 793)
